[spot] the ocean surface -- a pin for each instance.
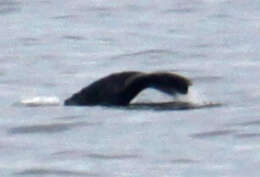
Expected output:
(51, 49)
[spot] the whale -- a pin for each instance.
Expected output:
(118, 89)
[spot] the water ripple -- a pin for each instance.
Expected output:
(249, 123)
(74, 37)
(112, 156)
(145, 53)
(56, 172)
(215, 133)
(62, 17)
(248, 135)
(30, 41)
(46, 128)
(92, 155)
(180, 10)
(183, 161)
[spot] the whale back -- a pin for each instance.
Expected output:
(106, 91)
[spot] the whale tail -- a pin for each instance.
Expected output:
(121, 88)
(168, 83)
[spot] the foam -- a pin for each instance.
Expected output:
(41, 101)
(194, 97)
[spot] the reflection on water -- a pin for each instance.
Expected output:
(170, 106)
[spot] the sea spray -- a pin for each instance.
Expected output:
(193, 97)
(40, 101)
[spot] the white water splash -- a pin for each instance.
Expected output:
(194, 97)
(40, 101)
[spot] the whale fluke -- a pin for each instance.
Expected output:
(120, 88)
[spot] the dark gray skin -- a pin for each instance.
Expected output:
(120, 88)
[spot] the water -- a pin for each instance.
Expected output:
(51, 49)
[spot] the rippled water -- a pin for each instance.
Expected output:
(51, 49)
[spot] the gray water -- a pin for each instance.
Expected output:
(51, 49)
